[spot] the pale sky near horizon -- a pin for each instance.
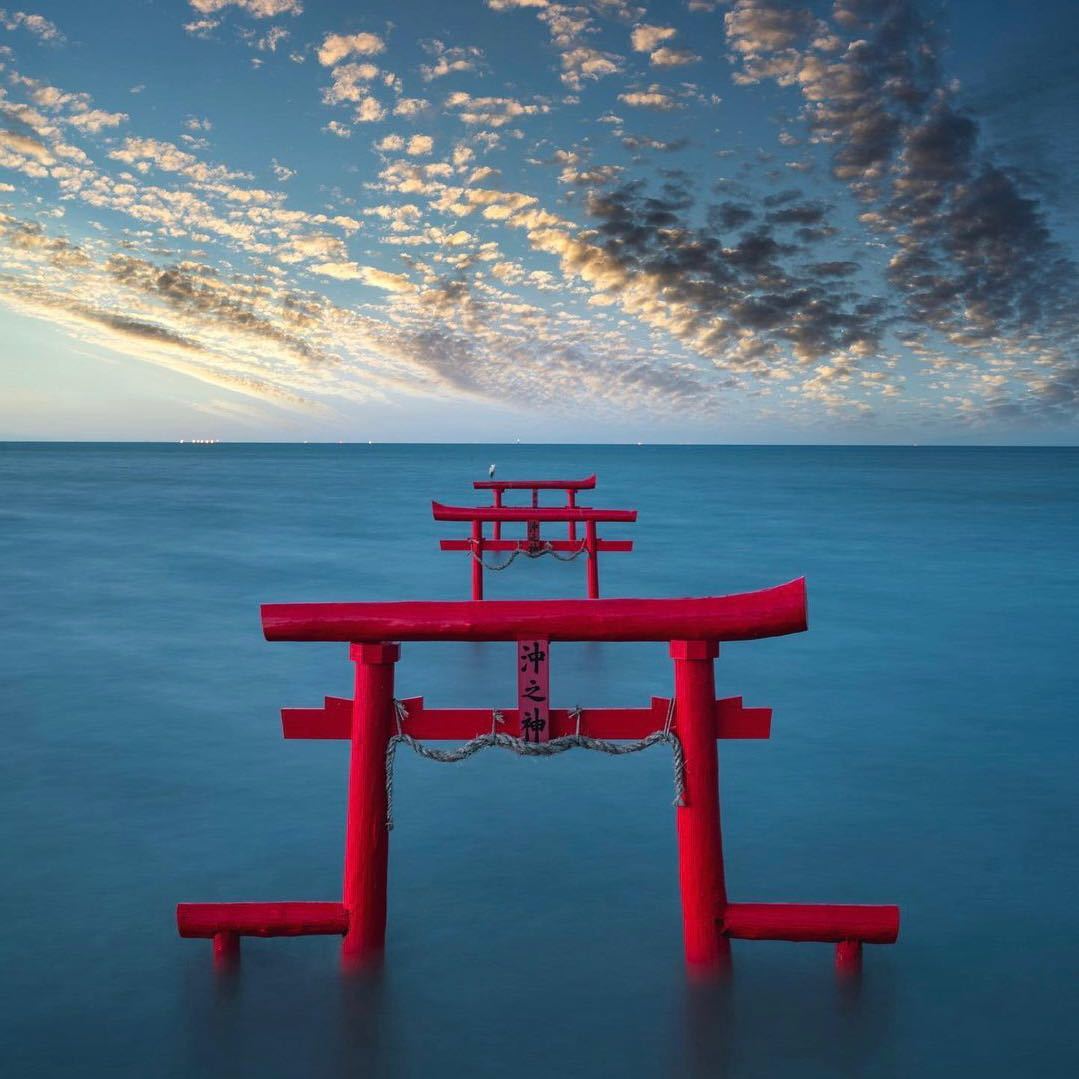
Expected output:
(692, 220)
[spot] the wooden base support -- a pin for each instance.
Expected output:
(848, 957)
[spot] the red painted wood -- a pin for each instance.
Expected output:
(700, 843)
(540, 485)
(848, 957)
(260, 919)
(334, 720)
(522, 544)
(571, 528)
(827, 922)
(592, 560)
(528, 513)
(534, 688)
(734, 721)
(226, 950)
(771, 612)
(476, 546)
(366, 837)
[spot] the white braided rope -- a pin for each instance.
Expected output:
(544, 549)
(533, 749)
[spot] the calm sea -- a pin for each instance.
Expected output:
(923, 752)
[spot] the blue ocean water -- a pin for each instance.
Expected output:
(923, 752)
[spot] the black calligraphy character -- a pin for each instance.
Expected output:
(532, 691)
(531, 722)
(535, 657)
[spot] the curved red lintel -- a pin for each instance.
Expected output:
(536, 485)
(771, 612)
(528, 513)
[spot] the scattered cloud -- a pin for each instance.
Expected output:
(335, 47)
(37, 25)
(449, 60)
(491, 111)
(645, 38)
(652, 98)
(258, 9)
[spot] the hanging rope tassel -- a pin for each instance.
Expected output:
(533, 749)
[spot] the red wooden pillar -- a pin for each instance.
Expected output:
(571, 500)
(498, 502)
(848, 958)
(532, 529)
(226, 950)
(700, 841)
(366, 837)
(593, 559)
(477, 560)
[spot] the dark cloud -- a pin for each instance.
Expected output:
(732, 287)
(189, 289)
(973, 255)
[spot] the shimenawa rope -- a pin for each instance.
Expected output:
(544, 549)
(532, 749)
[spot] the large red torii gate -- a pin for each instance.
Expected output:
(693, 628)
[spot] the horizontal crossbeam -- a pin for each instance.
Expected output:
(525, 545)
(528, 513)
(770, 612)
(261, 919)
(536, 485)
(334, 720)
(828, 922)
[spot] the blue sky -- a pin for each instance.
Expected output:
(498, 219)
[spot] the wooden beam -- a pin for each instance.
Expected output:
(771, 612)
(261, 919)
(334, 721)
(528, 513)
(523, 544)
(536, 485)
(828, 922)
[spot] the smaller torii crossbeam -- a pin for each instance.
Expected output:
(533, 545)
(692, 717)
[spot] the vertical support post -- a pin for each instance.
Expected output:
(593, 559)
(848, 958)
(700, 841)
(366, 837)
(532, 528)
(226, 950)
(498, 503)
(477, 559)
(571, 501)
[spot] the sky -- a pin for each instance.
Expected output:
(489, 220)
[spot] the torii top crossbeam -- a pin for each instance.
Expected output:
(587, 484)
(771, 612)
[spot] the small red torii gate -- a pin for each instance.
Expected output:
(693, 628)
(533, 544)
